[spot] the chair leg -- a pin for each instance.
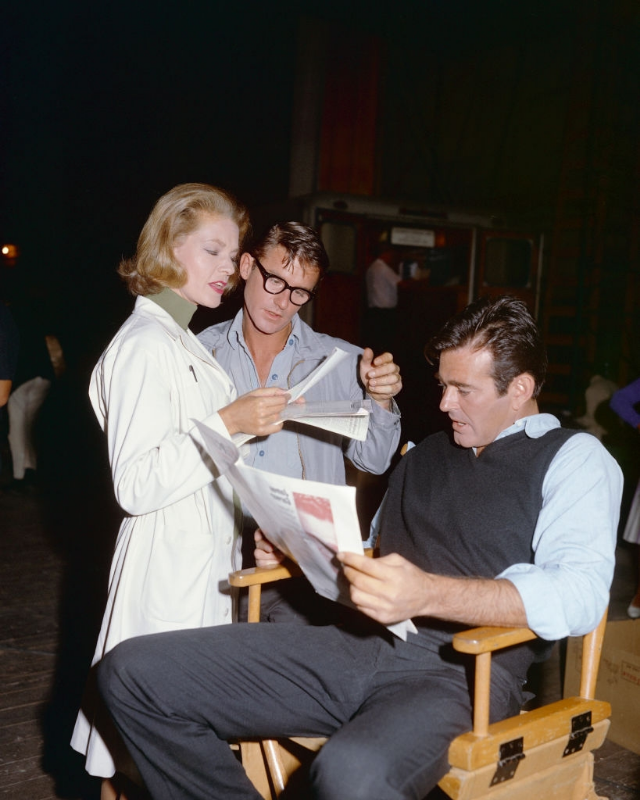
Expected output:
(253, 761)
(276, 768)
(109, 792)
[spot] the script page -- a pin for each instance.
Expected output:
(342, 416)
(345, 417)
(332, 360)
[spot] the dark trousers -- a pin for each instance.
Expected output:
(391, 708)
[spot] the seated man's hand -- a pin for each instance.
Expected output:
(380, 377)
(391, 589)
(388, 589)
(266, 554)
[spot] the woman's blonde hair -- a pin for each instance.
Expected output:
(177, 213)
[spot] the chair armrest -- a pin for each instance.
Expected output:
(486, 640)
(254, 576)
(481, 642)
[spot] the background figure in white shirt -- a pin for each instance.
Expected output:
(382, 300)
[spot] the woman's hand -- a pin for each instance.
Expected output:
(266, 554)
(256, 412)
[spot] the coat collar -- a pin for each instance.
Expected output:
(148, 308)
(177, 307)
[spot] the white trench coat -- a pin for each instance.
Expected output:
(180, 538)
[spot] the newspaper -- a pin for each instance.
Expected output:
(309, 521)
(344, 417)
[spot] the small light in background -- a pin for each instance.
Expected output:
(10, 253)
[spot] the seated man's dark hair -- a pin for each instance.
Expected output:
(505, 326)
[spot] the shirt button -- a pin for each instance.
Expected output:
(261, 453)
(227, 540)
(290, 341)
(274, 377)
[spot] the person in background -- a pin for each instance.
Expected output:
(179, 538)
(31, 386)
(267, 344)
(506, 520)
(624, 402)
(9, 349)
(381, 281)
(596, 396)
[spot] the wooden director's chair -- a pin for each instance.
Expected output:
(544, 754)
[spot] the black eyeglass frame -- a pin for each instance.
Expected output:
(266, 275)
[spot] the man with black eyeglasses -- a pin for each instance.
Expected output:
(267, 344)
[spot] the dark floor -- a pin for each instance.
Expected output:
(56, 544)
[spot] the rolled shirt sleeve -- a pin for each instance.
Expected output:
(566, 590)
(374, 454)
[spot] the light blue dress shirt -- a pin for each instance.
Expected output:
(566, 590)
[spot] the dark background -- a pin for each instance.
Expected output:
(105, 106)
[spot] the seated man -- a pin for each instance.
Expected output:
(267, 344)
(510, 521)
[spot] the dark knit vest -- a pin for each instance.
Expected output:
(453, 513)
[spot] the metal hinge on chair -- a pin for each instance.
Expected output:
(580, 728)
(510, 756)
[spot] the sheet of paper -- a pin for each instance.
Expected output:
(344, 417)
(354, 427)
(348, 418)
(326, 408)
(331, 361)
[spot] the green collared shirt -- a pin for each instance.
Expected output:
(177, 307)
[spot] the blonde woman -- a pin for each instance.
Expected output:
(180, 535)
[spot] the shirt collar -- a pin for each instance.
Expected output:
(235, 331)
(535, 426)
(179, 309)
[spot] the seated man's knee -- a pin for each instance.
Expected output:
(364, 768)
(348, 770)
(115, 672)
